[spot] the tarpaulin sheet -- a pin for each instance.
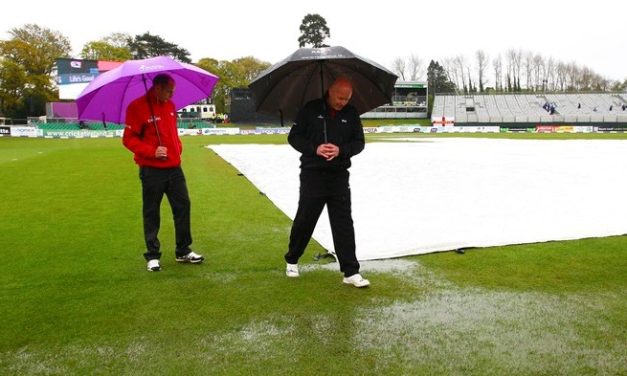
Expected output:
(443, 194)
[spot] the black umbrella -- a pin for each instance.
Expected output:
(306, 74)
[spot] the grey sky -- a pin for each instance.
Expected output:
(592, 34)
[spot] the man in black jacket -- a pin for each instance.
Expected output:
(328, 132)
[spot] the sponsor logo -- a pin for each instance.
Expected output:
(76, 64)
(74, 78)
(78, 78)
(150, 67)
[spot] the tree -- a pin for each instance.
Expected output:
(100, 50)
(222, 89)
(118, 39)
(39, 49)
(550, 74)
(13, 80)
(572, 73)
(399, 68)
(410, 68)
(518, 68)
(27, 62)
(513, 67)
(449, 64)
(482, 64)
(539, 72)
(114, 47)
(415, 67)
(528, 66)
(313, 31)
(148, 45)
(527, 71)
(460, 67)
(498, 73)
(437, 79)
(236, 73)
(618, 87)
(248, 68)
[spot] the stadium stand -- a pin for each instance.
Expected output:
(532, 108)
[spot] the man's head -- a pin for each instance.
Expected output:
(163, 86)
(340, 93)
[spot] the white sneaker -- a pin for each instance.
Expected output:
(356, 280)
(292, 271)
(192, 257)
(153, 265)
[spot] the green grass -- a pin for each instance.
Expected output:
(557, 267)
(75, 297)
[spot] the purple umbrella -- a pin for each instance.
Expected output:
(109, 94)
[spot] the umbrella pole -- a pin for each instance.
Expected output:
(324, 104)
(152, 112)
(324, 120)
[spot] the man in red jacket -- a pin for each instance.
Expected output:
(151, 134)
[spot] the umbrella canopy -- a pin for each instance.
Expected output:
(306, 74)
(109, 94)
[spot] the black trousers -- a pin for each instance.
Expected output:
(155, 183)
(317, 190)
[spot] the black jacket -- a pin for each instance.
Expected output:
(344, 130)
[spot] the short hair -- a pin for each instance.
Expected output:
(162, 79)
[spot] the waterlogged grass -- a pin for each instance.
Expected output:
(76, 299)
(556, 267)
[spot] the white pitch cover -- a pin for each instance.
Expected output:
(439, 194)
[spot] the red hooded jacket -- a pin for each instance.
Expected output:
(140, 135)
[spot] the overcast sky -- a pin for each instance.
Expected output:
(592, 34)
